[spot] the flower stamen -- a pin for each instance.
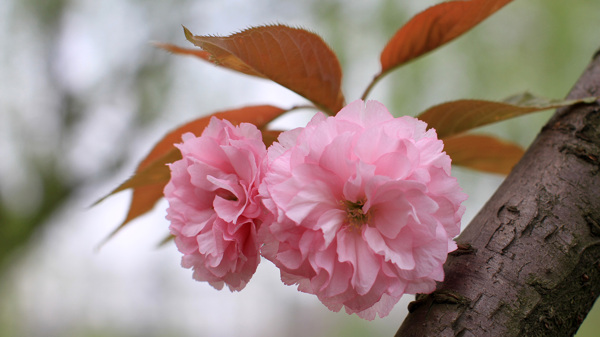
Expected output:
(355, 216)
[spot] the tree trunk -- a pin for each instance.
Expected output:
(529, 262)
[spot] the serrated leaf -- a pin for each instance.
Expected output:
(295, 58)
(206, 56)
(152, 174)
(434, 27)
(455, 117)
(483, 153)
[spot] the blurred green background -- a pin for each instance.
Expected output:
(84, 95)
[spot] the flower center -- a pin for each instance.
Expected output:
(355, 216)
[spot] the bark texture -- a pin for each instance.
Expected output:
(529, 264)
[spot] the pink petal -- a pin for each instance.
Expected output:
(397, 251)
(366, 114)
(353, 249)
(329, 223)
(309, 188)
(336, 157)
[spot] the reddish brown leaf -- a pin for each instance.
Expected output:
(295, 58)
(483, 153)
(152, 173)
(270, 136)
(183, 51)
(454, 117)
(166, 240)
(434, 27)
(204, 55)
(259, 115)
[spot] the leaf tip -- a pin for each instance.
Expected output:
(107, 238)
(157, 44)
(95, 203)
(161, 45)
(116, 190)
(165, 241)
(188, 35)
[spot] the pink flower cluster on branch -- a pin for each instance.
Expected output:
(357, 209)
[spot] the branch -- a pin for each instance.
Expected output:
(529, 262)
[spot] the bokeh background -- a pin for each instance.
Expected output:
(84, 96)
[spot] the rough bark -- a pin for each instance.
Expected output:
(533, 266)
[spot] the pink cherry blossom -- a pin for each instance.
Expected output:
(365, 208)
(213, 203)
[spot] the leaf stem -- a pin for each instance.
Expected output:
(371, 85)
(299, 107)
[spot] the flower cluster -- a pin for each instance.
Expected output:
(214, 207)
(357, 209)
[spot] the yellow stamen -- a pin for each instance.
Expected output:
(355, 216)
